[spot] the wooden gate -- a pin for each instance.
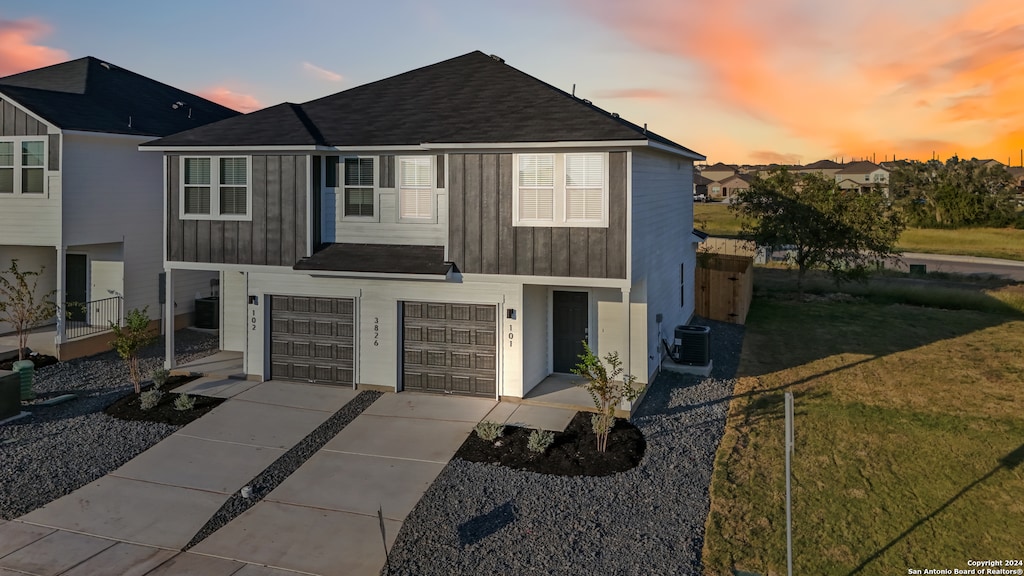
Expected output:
(724, 287)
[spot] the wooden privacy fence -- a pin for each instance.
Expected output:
(724, 287)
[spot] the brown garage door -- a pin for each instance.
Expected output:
(311, 339)
(449, 348)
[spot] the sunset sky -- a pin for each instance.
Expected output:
(737, 80)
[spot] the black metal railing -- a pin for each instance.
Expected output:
(86, 318)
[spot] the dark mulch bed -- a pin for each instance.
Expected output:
(40, 361)
(573, 453)
(127, 407)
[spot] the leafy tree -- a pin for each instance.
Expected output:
(954, 194)
(605, 390)
(20, 305)
(130, 339)
(841, 231)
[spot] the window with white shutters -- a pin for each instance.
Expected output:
(215, 188)
(22, 166)
(415, 188)
(584, 187)
(536, 187)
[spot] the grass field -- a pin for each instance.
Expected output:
(909, 430)
(717, 220)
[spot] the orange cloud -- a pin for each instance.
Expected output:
(234, 100)
(636, 94)
(18, 51)
(851, 78)
(771, 157)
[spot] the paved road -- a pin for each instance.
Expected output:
(1011, 269)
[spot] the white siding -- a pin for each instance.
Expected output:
(31, 219)
(377, 303)
(233, 308)
(662, 220)
(388, 230)
(535, 316)
(31, 258)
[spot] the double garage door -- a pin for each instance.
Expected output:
(446, 348)
(449, 348)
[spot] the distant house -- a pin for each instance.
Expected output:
(730, 186)
(990, 163)
(862, 176)
(700, 185)
(718, 172)
(1018, 177)
(826, 168)
(78, 198)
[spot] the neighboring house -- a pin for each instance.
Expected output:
(1017, 172)
(700, 185)
(718, 172)
(460, 228)
(78, 197)
(862, 176)
(826, 168)
(726, 189)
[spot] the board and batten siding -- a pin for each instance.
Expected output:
(31, 219)
(276, 234)
(482, 239)
(662, 241)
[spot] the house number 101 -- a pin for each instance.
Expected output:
(510, 336)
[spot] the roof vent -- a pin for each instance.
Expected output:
(615, 114)
(105, 65)
(585, 101)
(498, 58)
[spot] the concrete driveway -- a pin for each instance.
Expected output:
(321, 520)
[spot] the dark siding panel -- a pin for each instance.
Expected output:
(505, 232)
(441, 181)
(542, 251)
(596, 262)
(457, 211)
(301, 193)
(472, 215)
(578, 252)
(259, 210)
(524, 250)
(273, 257)
(53, 152)
(189, 240)
(230, 242)
(287, 219)
(174, 228)
(559, 251)
(386, 164)
(489, 214)
(217, 241)
(616, 244)
(9, 119)
(203, 251)
(316, 208)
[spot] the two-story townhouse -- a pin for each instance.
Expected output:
(826, 168)
(862, 176)
(77, 197)
(460, 228)
(719, 171)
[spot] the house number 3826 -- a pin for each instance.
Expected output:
(376, 331)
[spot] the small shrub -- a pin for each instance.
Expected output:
(184, 402)
(604, 388)
(490, 431)
(160, 377)
(539, 440)
(130, 339)
(149, 399)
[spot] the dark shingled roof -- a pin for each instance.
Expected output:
(820, 165)
(472, 98)
(378, 258)
(94, 96)
(861, 167)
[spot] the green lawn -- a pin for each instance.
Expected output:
(717, 220)
(909, 433)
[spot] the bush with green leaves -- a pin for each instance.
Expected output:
(159, 377)
(540, 440)
(21, 305)
(130, 339)
(489, 431)
(149, 399)
(184, 402)
(608, 387)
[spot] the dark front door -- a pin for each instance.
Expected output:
(76, 285)
(569, 324)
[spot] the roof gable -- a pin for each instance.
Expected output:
(862, 167)
(470, 99)
(94, 96)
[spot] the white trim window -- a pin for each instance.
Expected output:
(358, 187)
(23, 166)
(216, 188)
(415, 188)
(561, 190)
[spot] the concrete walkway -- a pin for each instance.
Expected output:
(321, 520)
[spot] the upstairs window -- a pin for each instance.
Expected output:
(536, 188)
(359, 187)
(415, 188)
(561, 190)
(584, 187)
(215, 188)
(22, 166)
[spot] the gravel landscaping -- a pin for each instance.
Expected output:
(59, 449)
(487, 519)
